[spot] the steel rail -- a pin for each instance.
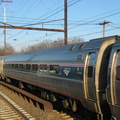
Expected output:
(10, 110)
(47, 106)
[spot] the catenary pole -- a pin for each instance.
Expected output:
(65, 23)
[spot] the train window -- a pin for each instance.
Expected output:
(43, 68)
(73, 47)
(34, 67)
(118, 73)
(8, 66)
(5, 66)
(12, 66)
(82, 45)
(54, 69)
(21, 66)
(90, 71)
(16, 66)
(28, 66)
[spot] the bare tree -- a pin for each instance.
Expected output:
(75, 39)
(51, 43)
(41, 45)
(1, 51)
(9, 50)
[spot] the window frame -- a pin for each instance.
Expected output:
(34, 67)
(21, 66)
(43, 67)
(28, 67)
(54, 70)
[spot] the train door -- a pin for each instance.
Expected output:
(117, 80)
(89, 76)
(115, 85)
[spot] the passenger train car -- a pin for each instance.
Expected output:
(84, 77)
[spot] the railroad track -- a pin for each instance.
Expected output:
(47, 106)
(11, 111)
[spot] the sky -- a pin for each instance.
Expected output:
(84, 17)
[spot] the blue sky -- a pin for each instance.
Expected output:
(83, 19)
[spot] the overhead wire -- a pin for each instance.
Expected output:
(55, 16)
(108, 12)
(33, 18)
(21, 7)
(18, 33)
(96, 19)
(85, 19)
(68, 6)
(22, 30)
(19, 10)
(28, 9)
(88, 21)
(48, 12)
(97, 32)
(58, 11)
(55, 33)
(71, 4)
(114, 25)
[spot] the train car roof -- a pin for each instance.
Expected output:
(58, 53)
(117, 43)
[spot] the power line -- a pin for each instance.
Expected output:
(37, 18)
(99, 18)
(44, 22)
(68, 6)
(55, 33)
(88, 22)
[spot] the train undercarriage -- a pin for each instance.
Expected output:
(61, 102)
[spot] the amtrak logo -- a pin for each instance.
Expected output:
(66, 71)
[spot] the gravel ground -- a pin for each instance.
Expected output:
(37, 113)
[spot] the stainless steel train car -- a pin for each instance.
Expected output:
(84, 77)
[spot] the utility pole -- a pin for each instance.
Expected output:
(104, 27)
(5, 24)
(4, 31)
(65, 23)
(29, 28)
